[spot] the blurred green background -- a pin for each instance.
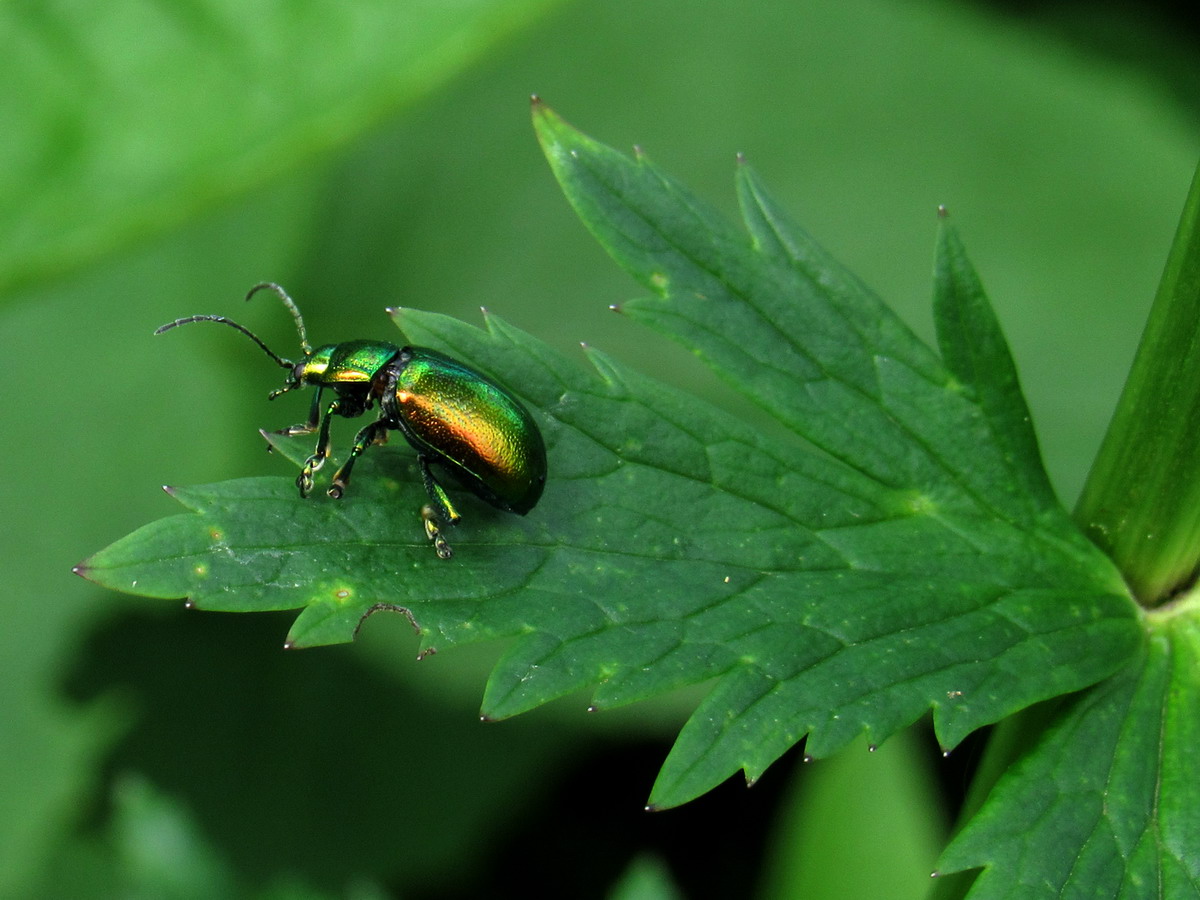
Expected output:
(159, 158)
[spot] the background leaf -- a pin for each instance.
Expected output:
(816, 853)
(255, 89)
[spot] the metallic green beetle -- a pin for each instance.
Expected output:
(451, 414)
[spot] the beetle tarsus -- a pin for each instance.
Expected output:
(429, 516)
(293, 430)
(374, 433)
(304, 480)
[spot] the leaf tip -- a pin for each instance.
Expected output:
(188, 604)
(81, 569)
(288, 645)
(615, 307)
(397, 314)
(740, 157)
(543, 117)
(169, 490)
(942, 212)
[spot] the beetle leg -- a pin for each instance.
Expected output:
(314, 418)
(304, 480)
(368, 435)
(429, 516)
(441, 508)
(441, 500)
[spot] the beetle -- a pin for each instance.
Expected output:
(455, 417)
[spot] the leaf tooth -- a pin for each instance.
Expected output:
(501, 330)
(607, 367)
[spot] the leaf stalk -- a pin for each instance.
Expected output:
(1141, 502)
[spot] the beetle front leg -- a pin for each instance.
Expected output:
(314, 418)
(441, 508)
(374, 433)
(304, 480)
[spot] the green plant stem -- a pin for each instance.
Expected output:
(1141, 502)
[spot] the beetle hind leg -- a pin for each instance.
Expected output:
(442, 509)
(433, 531)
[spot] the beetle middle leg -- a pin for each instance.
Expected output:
(304, 480)
(374, 433)
(346, 405)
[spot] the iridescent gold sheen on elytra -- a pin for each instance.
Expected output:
(471, 425)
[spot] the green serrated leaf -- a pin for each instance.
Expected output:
(831, 593)
(821, 279)
(816, 349)
(1106, 804)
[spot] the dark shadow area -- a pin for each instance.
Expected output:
(1160, 38)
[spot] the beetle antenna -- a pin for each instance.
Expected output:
(283, 363)
(292, 307)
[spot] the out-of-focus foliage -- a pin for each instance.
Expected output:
(1065, 172)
